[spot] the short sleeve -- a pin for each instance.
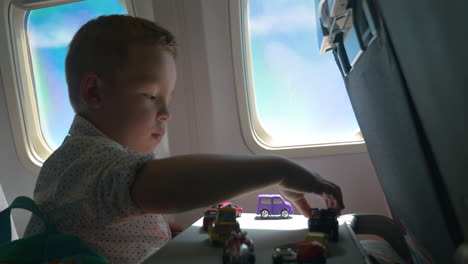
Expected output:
(95, 188)
(113, 192)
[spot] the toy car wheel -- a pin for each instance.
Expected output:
(264, 213)
(284, 213)
(277, 259)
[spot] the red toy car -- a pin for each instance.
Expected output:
(310, 252)
(238, 208)
(306, 252)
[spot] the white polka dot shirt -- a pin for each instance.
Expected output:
(84, 189)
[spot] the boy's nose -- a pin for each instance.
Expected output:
(164, 116)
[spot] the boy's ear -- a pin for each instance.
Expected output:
(91, 90)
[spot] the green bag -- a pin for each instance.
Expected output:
(49, 247)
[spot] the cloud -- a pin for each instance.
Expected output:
(313, 96)
(283, 20)
(299, 70)
(50, 34)
(50, 39)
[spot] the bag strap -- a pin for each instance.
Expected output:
(21, 202)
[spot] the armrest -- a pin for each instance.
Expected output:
(381, 226)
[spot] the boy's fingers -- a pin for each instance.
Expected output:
(304, 207)
(330, 193)
(333, 193)
(291, 195)
(326, 200)
(299, 200)
(329, 201)
(339, 197)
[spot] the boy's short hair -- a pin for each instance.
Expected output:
(102, 45)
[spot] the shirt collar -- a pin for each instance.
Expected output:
(82, 127)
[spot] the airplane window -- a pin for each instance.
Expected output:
(299, 94)
(49, 31)
(352, 46)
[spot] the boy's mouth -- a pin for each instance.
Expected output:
(158, 136)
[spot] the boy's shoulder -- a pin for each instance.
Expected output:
(85, 149)
(86, 153)
(85, 159)
(84, 139)
(74, 147)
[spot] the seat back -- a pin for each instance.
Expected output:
(392, 114)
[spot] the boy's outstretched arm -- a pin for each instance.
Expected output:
(188, 182)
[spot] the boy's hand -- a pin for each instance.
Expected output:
(175, 229)
(294, 190)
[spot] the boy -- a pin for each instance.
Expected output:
(103, 183)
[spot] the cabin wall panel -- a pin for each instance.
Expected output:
(15, 179)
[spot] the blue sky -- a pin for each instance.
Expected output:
(49, 31)
(300, 95)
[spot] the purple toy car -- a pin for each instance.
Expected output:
(273, 204)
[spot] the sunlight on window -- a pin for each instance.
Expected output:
(299, 94)
(49, 32)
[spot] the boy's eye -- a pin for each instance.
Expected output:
(151, 97)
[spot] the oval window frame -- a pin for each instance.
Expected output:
(255, 136)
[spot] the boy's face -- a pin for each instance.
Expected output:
(135, 104)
